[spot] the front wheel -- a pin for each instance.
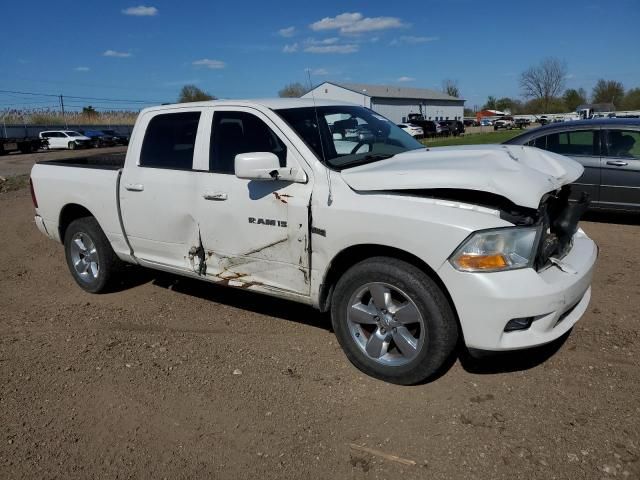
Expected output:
(90, 258)
(72, 145)
(393, 321)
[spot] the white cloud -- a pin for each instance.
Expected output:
(412, 40)
(208, 63)
(82, 69)
(339, 21)
(292, 48)
(346, 48)
(141, 11)
(325, 41)
(405, 79)
(355, 23)
(287, 32)
(115, 53)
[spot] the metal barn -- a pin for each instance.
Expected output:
(393, 102)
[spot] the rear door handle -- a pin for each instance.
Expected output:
(134, 187)
(617, 163)
(219, 196)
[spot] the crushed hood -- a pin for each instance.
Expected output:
(521, 174)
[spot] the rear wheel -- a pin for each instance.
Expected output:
(393, 321)
(90, 258)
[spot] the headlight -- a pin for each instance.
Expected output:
(496, 250)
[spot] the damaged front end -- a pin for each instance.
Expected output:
(558, 219)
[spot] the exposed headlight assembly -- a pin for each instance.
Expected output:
(497, 250)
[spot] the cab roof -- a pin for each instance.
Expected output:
(270, 103)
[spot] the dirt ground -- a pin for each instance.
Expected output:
(172, 378)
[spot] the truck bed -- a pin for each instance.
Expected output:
(113, 161)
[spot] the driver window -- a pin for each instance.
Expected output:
(240, 132)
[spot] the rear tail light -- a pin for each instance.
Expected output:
(33, 193)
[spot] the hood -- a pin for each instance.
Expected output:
(520, 174)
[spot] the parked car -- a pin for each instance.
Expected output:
(118, 138)
(504, 122)
(456, 127)
(99, 138)
(442, 128)
(543, 120)
(609, 151)
(410, 249)
(486, 122)
(521, 123)
(65, 139)
(412, 130)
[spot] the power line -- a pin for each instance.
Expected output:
(116, 100)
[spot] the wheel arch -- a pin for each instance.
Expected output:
(348, 257)
(69, 213)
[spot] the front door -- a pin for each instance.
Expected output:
(621, 170)
(254, 234)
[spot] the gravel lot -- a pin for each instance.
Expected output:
(172, 378)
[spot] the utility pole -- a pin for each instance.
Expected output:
(62, 108)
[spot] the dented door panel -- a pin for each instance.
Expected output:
(257, 237)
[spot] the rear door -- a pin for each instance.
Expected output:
(253, 233)
(621, 169)
(582, 145)
(158, 191)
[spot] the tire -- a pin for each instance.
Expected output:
(72, 145)
(86, 246)
(368, 333)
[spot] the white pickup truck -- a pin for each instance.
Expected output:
(330, 204)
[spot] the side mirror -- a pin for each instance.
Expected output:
(265, 166)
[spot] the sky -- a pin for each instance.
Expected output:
(145, 52)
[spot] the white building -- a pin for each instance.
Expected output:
(393, 102)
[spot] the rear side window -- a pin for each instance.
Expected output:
(579, 142)
(625, 144)
(240, 132)
(170, 140)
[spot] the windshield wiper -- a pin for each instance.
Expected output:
(372, 157)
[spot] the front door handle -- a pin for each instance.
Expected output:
(617, 163)
(134, 187)
(219, 196)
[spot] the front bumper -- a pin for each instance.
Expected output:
(556, 297)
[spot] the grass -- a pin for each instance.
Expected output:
(472, 139)
(11, 184)
(52, 117)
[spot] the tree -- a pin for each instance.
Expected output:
(491, 103)
(608, 91)
(544, 81)
(632, 100)
(89, 111)
(510, 104)
(292, 90)
(191, 93)
(450, 87)
(572, 98)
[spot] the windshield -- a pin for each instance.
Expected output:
(344, 136)
(73, 134)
